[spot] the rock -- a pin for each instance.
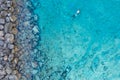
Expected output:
(18, 75)
(35, 29)
(11, 9)
(15, 72)
(2, 38)
(9, 14)
(27, 23)
(34, 71)
(14, 31)
(6, 77)
(2, 72)
(16, 49)
(1, 43)
(15, 60)
(10, 46)
(13, 77)
(9, 3)
(5, 45)
(5, 58)
(1, 66)
(1, 27)
(8, 27)
(13, 18)
(3, 6)
(1, 76)
(34, 64)
(2, 21)
(1, 33)
(35, 17)
(7, 19)
(8, 70)
(9, 38)
(37, 77)
(3, 13)
(11, 56)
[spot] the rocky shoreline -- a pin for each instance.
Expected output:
(19, 35)
(8, 46)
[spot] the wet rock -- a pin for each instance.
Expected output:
(27, 23)
(35, 17)
(37, 77)
(34, 64)
(9, 38)
(35, 29)
(34, 71)
(13, 18)
(2, 21)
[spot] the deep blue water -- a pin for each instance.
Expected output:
(82, 47)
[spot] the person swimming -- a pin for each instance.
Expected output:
(76, 14)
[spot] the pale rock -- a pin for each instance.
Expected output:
(1, 43)
(9, 38)
(5, 58)
(12, 77)
(2, 72)
(35, 29)
(4, 13)
(10, 46)
(1, 27)
(27, 23)
(1, 33)
(2, 21)
(13, 18)
(14, 31)
(8, 70)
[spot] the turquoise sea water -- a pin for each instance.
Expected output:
(82, 47)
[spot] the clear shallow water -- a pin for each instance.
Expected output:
(85, 47)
